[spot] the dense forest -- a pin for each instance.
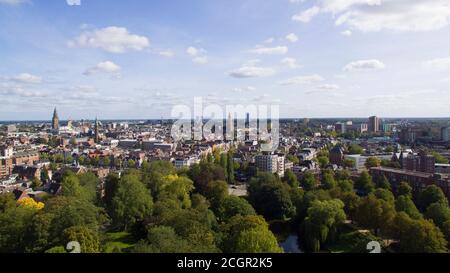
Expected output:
(158, 209)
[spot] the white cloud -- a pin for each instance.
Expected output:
(269, 40)
(292, 37)
(198, 55)
(200, 60)
(13, 2)
(300, 80)
(439, 63)
(167, 53)
(364, 65)
(279, 50)
(26, 78)
(377, 15)
(328, 87)
(18, 91)
(192, 51)
(306, 15)
(347, 33)
(250, 70)
(112, 39)
(244, 89)
(290, 62)
(104, 67)
(73, 2)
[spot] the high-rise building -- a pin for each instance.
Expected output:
(374, 124)
(55, 120)
(340, 128)
(444, 134)
(408, 135)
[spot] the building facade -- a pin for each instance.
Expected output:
(374, 124)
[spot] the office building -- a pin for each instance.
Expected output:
(374, 124)
(444, 134)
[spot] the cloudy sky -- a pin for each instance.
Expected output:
(138, 58)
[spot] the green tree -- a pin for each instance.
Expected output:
(440, 158)
(224, 161)
(204, 173)
(162, 239)
(106, 162)
(270, 197)
(234, 205)
(375, 214)
(44, 175)
(195, 226)
(364, 183)
(257, 240)
(372, 162)
(446, 231)
(291, 179)
(351, 204)
(418, 236)
(65, 212)
(308, 181)
(404, 189)
(328, 181)
(71, 186)
(230, 168)
(439, 213)
(14, 223)
(345, 185)
(132, 202)
(432, 194)
(36, 183)
(177, 188)
(355, 149)
(216, 192)
(88, 239)
(294, 159)
(349, 163)
(383, 183)
(323, 161)
(405, 204)
(89, 183)
(7, 201)
(249, 234)
(111, 186)
(385, 195)
(154, 175)
(321, 224)
(131, 163)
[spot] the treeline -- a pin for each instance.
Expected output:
(162, 210)
(334, 209)
(158, 209)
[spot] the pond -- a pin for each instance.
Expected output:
(291, 244)
(287, 237)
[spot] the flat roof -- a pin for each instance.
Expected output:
(404, 172)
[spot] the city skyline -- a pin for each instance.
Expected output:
(103, 58)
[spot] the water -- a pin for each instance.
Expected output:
(291, 244)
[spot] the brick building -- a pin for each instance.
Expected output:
(417, 180)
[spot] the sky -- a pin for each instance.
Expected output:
(137, 59)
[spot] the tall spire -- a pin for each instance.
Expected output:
(97, 137)
(55, 120)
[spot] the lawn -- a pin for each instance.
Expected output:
(118, 242)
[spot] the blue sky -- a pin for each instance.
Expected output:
(136, 58)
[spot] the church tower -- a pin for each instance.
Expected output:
(96, 134)
(55, 120)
